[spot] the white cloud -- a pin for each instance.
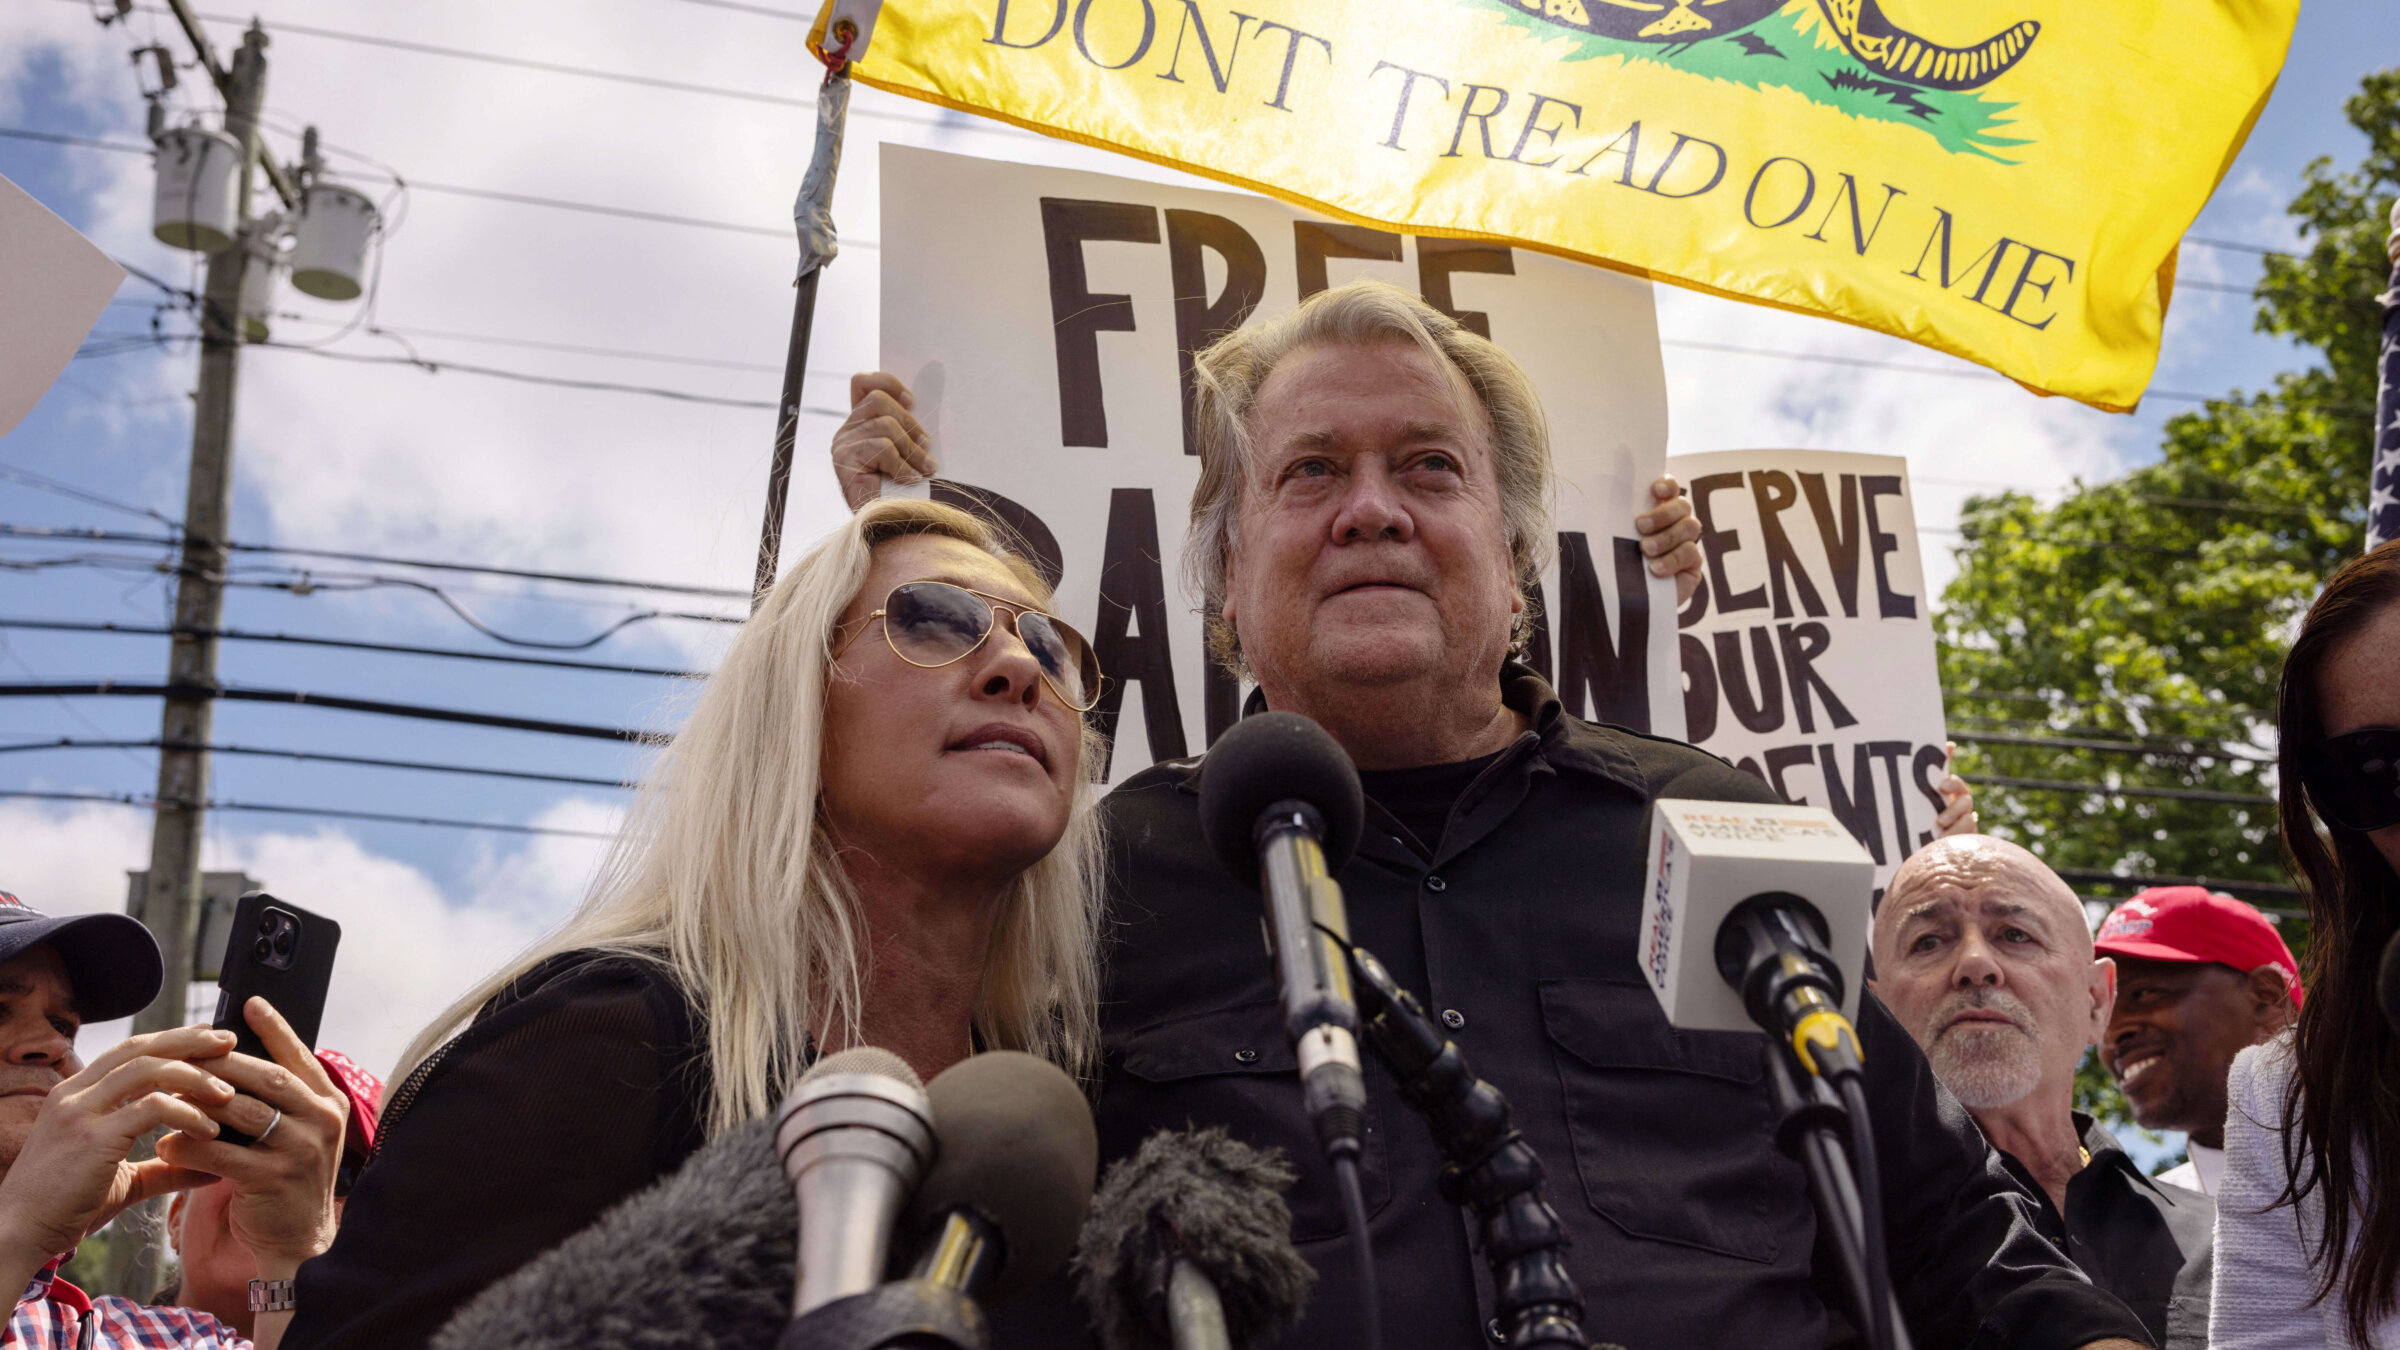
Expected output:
(407, 949)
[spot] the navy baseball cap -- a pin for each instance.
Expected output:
(111, 959)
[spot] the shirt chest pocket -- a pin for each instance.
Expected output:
(1673, 1130)
(1232, 1067)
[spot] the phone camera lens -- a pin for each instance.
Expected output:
(262, 949)
(283, 942)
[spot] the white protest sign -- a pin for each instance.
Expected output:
(1044, 319)
(1808, 654)
(54, 283)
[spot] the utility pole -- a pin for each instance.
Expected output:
(171, 901)
(171, 896)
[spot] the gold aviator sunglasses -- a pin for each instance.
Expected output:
(933, 623)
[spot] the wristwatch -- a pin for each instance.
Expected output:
(273, 1295)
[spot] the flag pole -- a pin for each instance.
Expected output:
(812, 217)
(2383, 468)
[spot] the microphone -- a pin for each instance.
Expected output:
(997, 1213)
(1747, 905)
(1189, 1245)
(1281, 806)
(1001, 1208)
(855, 1135)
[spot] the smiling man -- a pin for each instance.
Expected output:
(1985, 955)
(2200, 978)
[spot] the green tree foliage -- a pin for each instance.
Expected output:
(2134, 631)
(2132, 634)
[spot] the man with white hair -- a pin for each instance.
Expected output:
(1370, 519)
(1985, 955)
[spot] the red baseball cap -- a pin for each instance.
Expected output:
(365, 1092)
(2192, 923)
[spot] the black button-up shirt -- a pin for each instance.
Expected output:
(1689, 1228)
(2149, 1243)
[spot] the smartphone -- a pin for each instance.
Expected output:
(283, 954)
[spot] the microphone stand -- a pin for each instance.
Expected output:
(930, 1310)
(916, 1314)
(1812, 1127)
(1487, 1167)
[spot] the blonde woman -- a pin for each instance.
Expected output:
(874, 828)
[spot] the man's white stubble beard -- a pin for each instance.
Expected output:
(1985, 1065)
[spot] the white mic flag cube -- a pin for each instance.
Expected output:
(1708, 857)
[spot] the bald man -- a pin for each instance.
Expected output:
(1985, 955)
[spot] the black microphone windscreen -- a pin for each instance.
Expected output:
(2387, 982)
(1219, 1203)
(701, 1261)
(1018, 1147)
(1269, 758)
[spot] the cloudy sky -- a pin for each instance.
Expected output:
(389, 459)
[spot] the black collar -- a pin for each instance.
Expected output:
(1562, 742)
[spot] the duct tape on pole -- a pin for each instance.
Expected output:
(335, 225)
(812, 220)
(2383, 472)
(199, 177)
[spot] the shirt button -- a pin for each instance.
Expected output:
(1453, 1018)
(1245, 1056)
(1436, 885)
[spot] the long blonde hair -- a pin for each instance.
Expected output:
(725, 874)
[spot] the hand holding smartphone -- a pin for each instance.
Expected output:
(283, 954)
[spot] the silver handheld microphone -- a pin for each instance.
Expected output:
(855, 1135)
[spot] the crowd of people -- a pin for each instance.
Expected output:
(878, 827)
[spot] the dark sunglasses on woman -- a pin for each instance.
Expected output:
(2354, 779)
(933, 623)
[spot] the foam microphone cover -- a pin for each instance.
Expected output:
(1269, 758)
(1218, 1203)
(703, 1260)
(1017, 1147)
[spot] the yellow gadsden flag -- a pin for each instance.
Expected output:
(2004, 180)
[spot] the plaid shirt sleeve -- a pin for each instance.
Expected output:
(47, 1320)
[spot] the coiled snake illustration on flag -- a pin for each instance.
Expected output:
(1875, 40)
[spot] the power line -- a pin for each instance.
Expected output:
(611, 76)
(310, 583)
(574, 348)
(485, 194)
(71, 743)
(153, 803)
(2194, 749)
(351, 644)
(2105, 790)
(2142, 882)
(566, 578)
(526, 377)
(246, 694)
(119, 343)
(45, 483)
(660, 217)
